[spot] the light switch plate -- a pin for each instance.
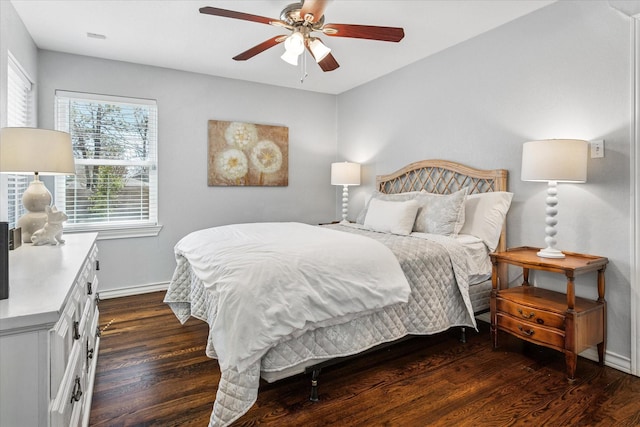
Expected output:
(597, 149)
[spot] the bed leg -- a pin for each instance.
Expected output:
(463, 335)
(314, 385)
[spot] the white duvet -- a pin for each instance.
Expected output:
(273, 281)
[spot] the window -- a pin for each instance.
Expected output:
(19, 113)
(114, 143)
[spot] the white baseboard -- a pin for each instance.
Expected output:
(133, 290)
(612, 360)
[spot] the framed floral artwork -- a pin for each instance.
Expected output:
(247, 154)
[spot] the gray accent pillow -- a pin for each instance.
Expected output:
(441, 213)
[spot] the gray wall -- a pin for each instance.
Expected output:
(562, 71)
(186, 101)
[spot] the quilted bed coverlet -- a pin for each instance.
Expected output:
(435, 268)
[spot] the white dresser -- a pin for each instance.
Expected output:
(49, 334)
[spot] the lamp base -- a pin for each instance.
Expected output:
(35, 200)
(30, 223)
(345, 203)
(550, 253)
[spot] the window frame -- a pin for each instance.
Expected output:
(115, 229)
(12, 186)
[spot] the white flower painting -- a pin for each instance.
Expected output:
(247, 154)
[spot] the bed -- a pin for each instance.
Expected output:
(415, 262)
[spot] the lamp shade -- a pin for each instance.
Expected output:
(345, 173)
(29, 150)
(561, 160)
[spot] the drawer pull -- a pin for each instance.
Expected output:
(98, 265)
(89, 352)
(89, 289)
(526, 316)
(527, 333)
(98, 332)
(76, 330)
(76, 394)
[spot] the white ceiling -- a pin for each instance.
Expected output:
(173, 34)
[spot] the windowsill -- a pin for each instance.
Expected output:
(108, 233)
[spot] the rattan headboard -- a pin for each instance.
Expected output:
(445, 177)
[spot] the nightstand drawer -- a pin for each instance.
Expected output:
(530, 314)
(529, 331)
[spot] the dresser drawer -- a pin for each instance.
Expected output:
(90, 338)
(66, 408)
(530, 314)
(529, 331)
(62, 337)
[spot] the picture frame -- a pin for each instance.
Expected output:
(247, 154)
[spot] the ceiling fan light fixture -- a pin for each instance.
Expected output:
(294, 46)
(319, 49)
(295, 43)
(290, 57)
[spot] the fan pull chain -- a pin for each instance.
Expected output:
(303, 68)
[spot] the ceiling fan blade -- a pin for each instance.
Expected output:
(315, 8)
(250, 53)
(328, 63)
(370, 32)
(236, 15)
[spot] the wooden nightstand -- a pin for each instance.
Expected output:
(560, 321)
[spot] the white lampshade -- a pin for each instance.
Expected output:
(561, 160)
(31, 150)
(290, 57)
(295, 43)
(319, 50)
(294, 46)
(345, 173)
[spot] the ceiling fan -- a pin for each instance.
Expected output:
(303, 19)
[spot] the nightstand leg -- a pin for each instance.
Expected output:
(525, 276)
(571, 361)
(601, 354)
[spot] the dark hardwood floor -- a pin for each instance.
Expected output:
(152, 371)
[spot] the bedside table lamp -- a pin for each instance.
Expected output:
(553, 161)
(345, 174)
(35, 151)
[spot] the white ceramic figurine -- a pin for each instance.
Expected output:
(51, 233)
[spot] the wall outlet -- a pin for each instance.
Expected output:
(597, 149)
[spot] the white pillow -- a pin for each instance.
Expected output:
(485, 214)
(391, 217)
(396, 197)
(441, 213)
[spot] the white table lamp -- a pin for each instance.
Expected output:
(345, 174)
(35, 151)
(553, 161)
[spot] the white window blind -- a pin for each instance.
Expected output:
(115, 148)
(19, 113)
